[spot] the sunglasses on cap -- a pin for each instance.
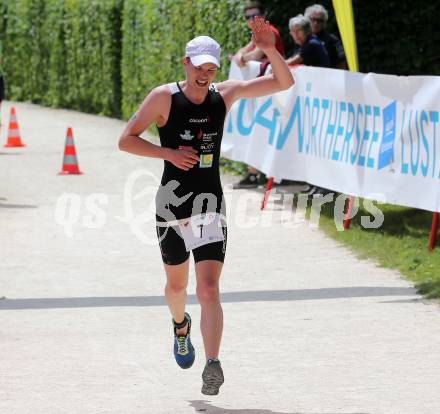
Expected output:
(251, 16)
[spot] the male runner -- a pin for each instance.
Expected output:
(189, 204)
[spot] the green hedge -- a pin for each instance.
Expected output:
(154, 37)
(63, 53)
(24, 50)
(92, 53)
(56, 94)
(104, 56)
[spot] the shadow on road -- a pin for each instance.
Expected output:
(227, 297)
(202, 406)
(5, 205)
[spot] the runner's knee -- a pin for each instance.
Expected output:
(175, 288)
(207, 292)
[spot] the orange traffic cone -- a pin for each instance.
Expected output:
(70, 162)
(14, 139)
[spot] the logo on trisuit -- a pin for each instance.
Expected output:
(187, 135)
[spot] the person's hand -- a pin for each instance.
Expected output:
(238, 59)
(183, 158)
(262, 35)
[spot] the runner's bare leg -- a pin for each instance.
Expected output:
(175, 291)
(211, 321)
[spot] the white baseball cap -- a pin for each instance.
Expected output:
(203, 49)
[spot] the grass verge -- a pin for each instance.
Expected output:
(401, 242)
(232, 167)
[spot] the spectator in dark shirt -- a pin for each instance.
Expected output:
(311, 51)
(318, 17)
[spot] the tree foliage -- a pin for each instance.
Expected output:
(104, 56)
(399, 37)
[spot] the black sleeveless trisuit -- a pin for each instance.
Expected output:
(184, 194)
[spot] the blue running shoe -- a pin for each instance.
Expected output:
(183, 349)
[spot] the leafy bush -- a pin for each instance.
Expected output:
(63, 53)
(155, 34)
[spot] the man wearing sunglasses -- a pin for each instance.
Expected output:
(318, 17)
(250, 52)
(254, 178)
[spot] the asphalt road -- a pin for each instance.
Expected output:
(309, 328)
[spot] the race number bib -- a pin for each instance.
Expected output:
(201, 229)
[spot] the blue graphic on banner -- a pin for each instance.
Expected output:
(386, 150)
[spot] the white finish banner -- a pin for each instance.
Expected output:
(366, 135)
